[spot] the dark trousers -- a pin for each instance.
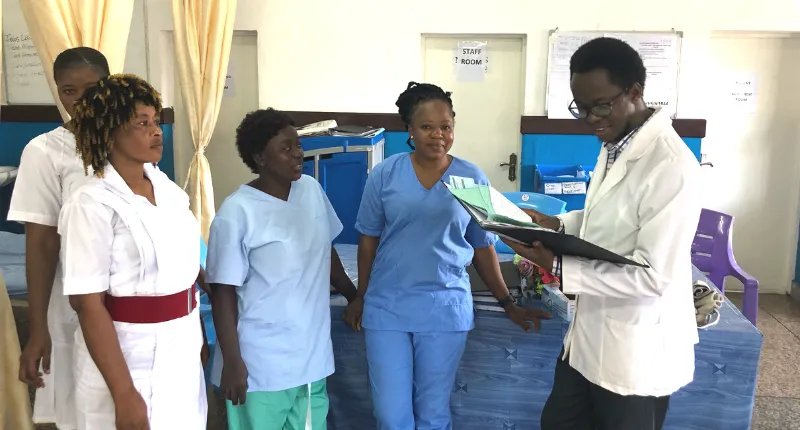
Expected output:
(577, 404)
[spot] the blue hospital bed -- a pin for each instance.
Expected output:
(12, 264)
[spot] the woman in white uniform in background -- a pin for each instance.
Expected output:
(130, 254)
(49, 173)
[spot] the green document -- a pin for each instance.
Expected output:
(486, 204)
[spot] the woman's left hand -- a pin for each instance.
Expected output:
(521, 316)
(201, 282)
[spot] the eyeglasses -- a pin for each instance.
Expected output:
(601, 110)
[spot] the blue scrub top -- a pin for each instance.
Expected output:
(278, 256)
(419, 281)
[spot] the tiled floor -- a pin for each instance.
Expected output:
(778, 392)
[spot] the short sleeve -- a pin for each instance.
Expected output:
(87, 233)
(371, 218)
(227, 261)
(476, 236)
(37, 190)
(334, 223)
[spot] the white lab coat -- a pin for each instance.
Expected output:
(116, 241)
(634, 329)
(49, 172)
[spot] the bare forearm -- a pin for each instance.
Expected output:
(488, 268)
(367, 249)
(103, 344)
(339, 278)
(225, 311)
(41, 258)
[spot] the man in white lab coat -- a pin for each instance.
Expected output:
(631, 343)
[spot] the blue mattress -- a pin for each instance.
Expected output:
(506, 375)
(12, 263)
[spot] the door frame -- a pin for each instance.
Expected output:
(792, 287)
(523, 38)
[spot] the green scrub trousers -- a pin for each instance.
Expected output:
(282, 410)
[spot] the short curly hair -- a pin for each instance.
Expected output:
(256, 129)
(623, 64)
(104, 110)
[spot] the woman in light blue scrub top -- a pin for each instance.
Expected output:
(414, 297)
(271, 264)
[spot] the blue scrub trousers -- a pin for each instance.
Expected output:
(411, 376)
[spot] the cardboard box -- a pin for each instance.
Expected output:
(558, 303)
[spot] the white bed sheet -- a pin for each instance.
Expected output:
(12, 263)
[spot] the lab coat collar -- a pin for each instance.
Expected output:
(639, 144)
(118, 186)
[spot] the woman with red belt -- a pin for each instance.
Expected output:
(129, 253)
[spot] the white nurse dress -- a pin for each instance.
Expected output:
(117, 242)
(49, 172)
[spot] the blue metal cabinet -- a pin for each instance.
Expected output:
(341, 165)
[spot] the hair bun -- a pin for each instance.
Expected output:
(411, 85)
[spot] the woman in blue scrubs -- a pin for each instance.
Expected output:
(271, 264)
(414, 297)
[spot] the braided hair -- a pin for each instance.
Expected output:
(103, 111)
(82, 56)
(416, 94)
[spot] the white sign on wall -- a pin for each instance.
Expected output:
(471, 61)
(230, 81)
(660, 53)
(740, 92)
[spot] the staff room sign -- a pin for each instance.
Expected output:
(471, 61)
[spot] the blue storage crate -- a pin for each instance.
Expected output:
(553, 179)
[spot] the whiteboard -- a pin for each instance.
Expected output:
(24, 81)
(660, 52)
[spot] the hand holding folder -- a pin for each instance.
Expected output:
(496, 214)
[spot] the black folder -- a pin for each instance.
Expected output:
(559, 243)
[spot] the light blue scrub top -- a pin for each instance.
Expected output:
(278, 254)
(419, 281)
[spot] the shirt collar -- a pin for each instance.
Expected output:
(622, 143)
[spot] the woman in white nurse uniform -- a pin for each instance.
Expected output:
(49, 173)
(130, 254)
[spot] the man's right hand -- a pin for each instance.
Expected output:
(234, 381)
(546, 221)
(37, 351)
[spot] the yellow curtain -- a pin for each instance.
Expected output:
(57, 25)
(15, 406)
(203, 35)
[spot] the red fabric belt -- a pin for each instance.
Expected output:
(151, 309)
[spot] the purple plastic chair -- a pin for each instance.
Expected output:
(712, 253)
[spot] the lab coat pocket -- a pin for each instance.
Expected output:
(632, 353)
